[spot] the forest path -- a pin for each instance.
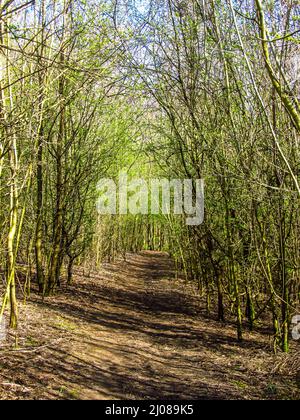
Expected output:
(133, 332)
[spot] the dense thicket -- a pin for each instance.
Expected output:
(180, 88)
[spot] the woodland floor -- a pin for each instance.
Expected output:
(133, 332)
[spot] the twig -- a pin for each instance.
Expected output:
(32, 349)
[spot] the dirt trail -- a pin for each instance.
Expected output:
(133, 332)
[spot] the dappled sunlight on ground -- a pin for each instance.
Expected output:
(133, 332)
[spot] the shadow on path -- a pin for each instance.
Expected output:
(133, 332)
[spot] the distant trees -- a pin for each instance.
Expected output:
(233, 121)
(177, 88)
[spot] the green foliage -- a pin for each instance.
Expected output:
(90, 90)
